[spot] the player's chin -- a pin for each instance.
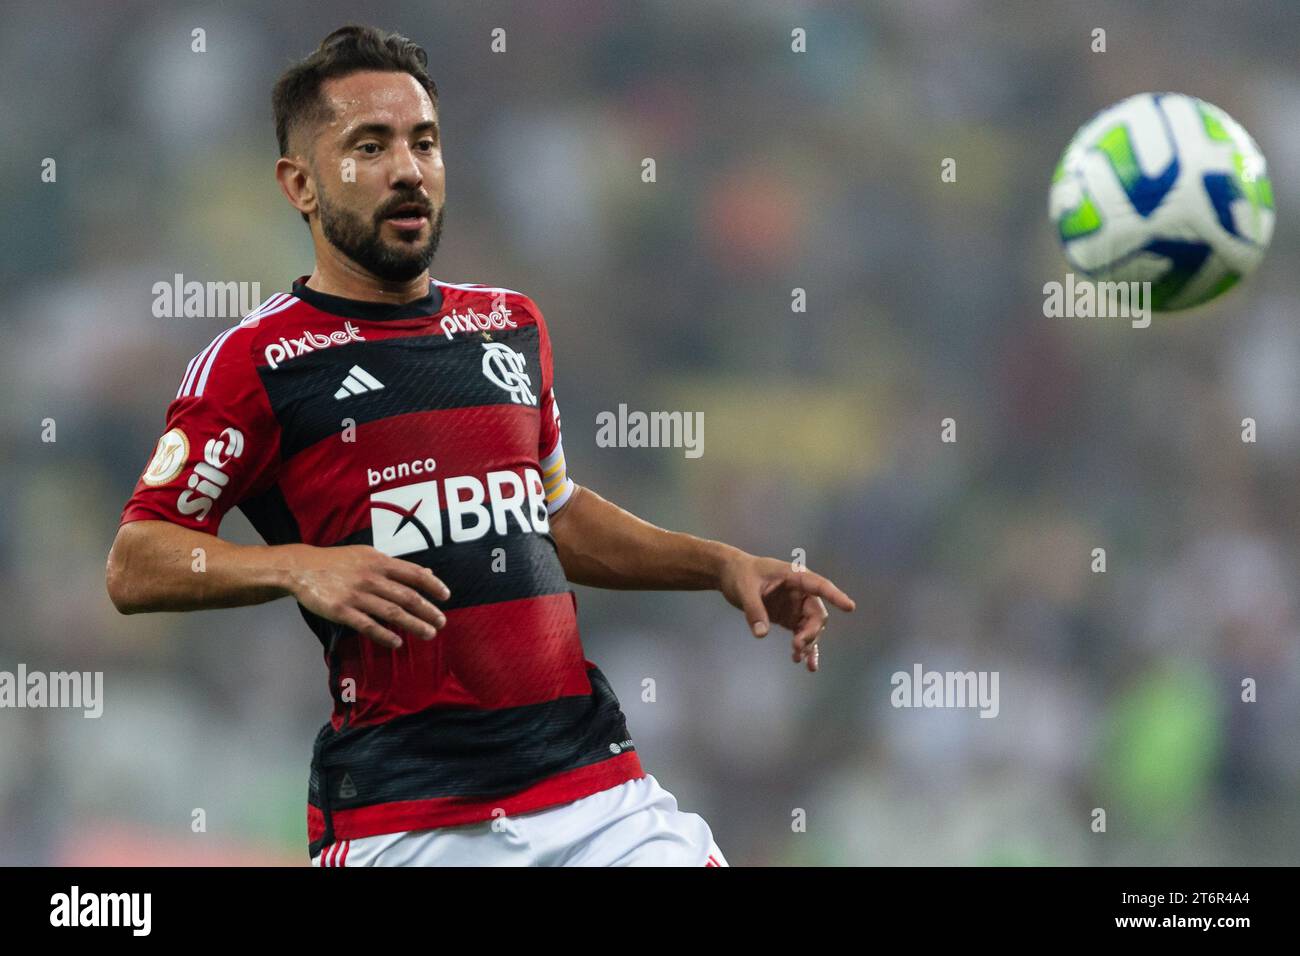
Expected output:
(410, 250)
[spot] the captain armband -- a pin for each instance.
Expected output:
(555, 479)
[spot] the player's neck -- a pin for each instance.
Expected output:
(348, 282)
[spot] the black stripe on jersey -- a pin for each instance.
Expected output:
(270, 517)
(462, 752)
(313, 789)
(532, 569)
(531, 562)
(418, 373)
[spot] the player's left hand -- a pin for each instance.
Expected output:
(771, 590)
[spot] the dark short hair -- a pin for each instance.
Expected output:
(296, 97)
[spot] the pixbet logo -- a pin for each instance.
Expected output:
(471, 321)
(277, 352)
(208, 479)
(411, 518)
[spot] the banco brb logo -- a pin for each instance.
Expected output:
(420, 516)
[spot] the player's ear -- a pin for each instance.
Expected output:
(297, 183)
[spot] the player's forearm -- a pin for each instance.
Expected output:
(158, 566)
(603, 546)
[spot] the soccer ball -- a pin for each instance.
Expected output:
(1166, 189)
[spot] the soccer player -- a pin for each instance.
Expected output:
(396, 442)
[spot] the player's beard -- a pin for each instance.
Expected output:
(363, 241)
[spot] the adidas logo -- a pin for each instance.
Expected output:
(358, 382)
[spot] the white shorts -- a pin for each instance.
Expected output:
(636, 823)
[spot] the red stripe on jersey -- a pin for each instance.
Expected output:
(488, 656)
(455, 811)
(315, 826)
(461, 441)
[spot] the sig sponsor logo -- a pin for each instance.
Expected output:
(471, 321)
(278, 352)
(209, 478)
(421, 516)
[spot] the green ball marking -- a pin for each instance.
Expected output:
(1081, 220)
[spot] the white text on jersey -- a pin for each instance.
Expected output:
(277, 352)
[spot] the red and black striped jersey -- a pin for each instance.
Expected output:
(429, 431)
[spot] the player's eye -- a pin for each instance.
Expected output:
(369, 148)
(427, 145)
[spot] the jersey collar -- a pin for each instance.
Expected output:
(430, 305)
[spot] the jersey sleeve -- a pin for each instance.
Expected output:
(550, 449)
(220, 444)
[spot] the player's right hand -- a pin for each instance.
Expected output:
(370, 592)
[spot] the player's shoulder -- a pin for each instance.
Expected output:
(234, 352)
(480, 297)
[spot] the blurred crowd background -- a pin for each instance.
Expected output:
(821, 171)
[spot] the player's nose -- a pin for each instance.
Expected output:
(406, 170)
